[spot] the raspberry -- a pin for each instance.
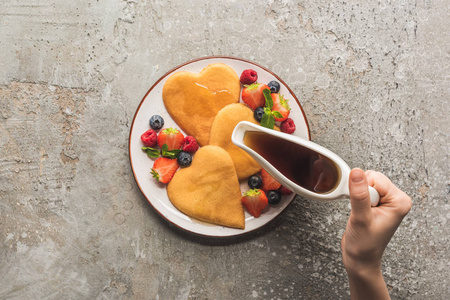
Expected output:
(287, 126)
(149, 138)
(285, 191)
(248, 76)
(190, 144)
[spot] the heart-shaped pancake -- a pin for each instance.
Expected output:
(208, 190)
(222, 128)
(193, 100)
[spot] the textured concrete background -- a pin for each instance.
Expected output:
(373, 80)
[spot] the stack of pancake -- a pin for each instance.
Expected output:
(206, 106)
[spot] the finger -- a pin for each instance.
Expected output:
(379, 182)
(359, 196)
(389, 193)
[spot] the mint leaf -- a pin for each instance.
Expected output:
(164, 148)
(277, 114)
(169, 154)
(265, 120)
(271, 122)
(151, 152)
(268, 121)
(269, 101)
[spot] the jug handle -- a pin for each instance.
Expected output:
(374, 196)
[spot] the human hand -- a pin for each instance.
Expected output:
(369, 229)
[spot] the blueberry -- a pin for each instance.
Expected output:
(274, 86)
(184, 159)
(274, 197)
(156, 122)
(258, 113)
(254, 182)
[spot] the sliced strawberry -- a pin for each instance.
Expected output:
(172, 137)
(281, 105)
(269, 183)
(164, 169)
(253, 96)
(255, 201)
(285, 191)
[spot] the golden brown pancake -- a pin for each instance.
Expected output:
(222, 128)
(208, 190)
(193, 100)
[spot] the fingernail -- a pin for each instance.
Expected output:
(357, 176)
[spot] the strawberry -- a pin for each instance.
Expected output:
(164, 169)
(281, 105)
(285, 191)
(269, 183)
(255, 201)
(172, 137)
(253, 96)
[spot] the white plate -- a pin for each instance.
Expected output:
(152, 104)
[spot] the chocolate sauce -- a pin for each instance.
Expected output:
(299, 164)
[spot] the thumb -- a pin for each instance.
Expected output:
(359, 196)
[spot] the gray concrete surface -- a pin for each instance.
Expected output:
(373, 79)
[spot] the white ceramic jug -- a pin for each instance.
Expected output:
(341, 187)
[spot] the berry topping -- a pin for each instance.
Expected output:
(274, 197)
(253, 96)
(190, 144)
(281, 105)
(274, 86)
(165, 152)
(268, 118)
(156, 122)
(164, 169)
(254, 182)
(249, 76)
(149, 138)
(254, 201)
(287, 126)
(172, 137)
(258, 113)
(269, 183)
(184, 159)
(285, 191)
